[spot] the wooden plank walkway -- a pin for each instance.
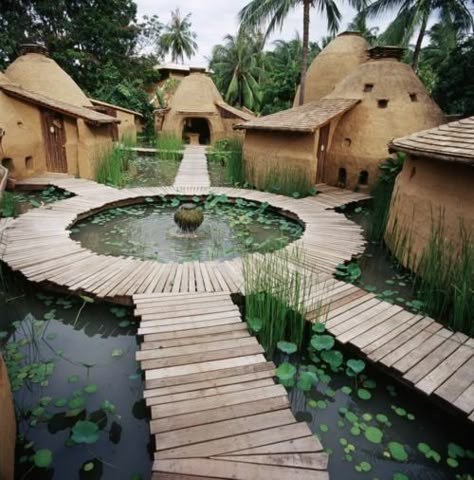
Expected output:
(216, 410)
(193, 169)
(414, 348)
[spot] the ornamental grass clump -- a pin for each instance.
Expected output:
(290, 181)
(169, 147)
(228, 152)
(277, 297)
(112, 165)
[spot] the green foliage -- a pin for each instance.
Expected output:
(349, 272)
(8, 205)
(178, 39)
(382, 195)
(43, 458)
(291, 181)
(85, 432)
(228, 152)
(169, 146)
(276, 298)
(112, 165)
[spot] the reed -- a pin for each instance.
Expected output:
(112, 165)
(8, 205)
(276, 297)
(229, 153)
(169, 147)
(290, 181)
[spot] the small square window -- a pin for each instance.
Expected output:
(368, 87)
(413, 97)
(382, 103)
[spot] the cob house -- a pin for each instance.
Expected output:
(47, 123)
(433, 194)
(378, 100)
(197, 112)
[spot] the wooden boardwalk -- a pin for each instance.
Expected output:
(414, 348)
(193, 169)
(216, 410)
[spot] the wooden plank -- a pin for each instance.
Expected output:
(313, 461)
(457, 383)
(300, 445)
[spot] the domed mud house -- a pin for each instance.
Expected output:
(197, 112)
(341, 138)
(47, 123)
(434, 191)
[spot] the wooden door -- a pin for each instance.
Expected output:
(55, 141)
(322, 153)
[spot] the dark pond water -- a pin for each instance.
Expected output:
(349, 422)
(149, 231)
(66, 368)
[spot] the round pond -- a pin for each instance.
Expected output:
(148, 231)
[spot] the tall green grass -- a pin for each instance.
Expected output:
(382, 194)
(290, 181)
(444, 279)
(277, 297)
(112, 166)
(169, 147)
(229, 153)
(8, 205)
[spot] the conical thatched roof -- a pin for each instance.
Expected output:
(339, 58)
(40, 74)
(196, 94)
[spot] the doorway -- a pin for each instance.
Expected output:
(196, 130)
(54, 137)
(322, 153)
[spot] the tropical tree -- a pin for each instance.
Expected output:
(178, 39)
(272, 14)
(237, 67)
(359, 24)
(413, 16)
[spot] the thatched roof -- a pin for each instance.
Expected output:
(41, 74)
(67, 109)
(307, 118)
(115, 107)
(244, 115)
(339, 58)
(449, 142)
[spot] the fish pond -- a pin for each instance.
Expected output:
(76, 385)
(230, 229)
(371, 426)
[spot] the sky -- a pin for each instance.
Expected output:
(212, 20)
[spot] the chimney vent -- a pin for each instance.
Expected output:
(384, 51)
(33, 48)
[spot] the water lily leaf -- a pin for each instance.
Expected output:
(77, 402)
(455, 450)
(356, 366)
(397, 451)
(286, 373)
(364, 394)
(124, 324)
(43, 458)
(86, 299)
(88, 466)
(60, 402)
(73, 379)
(333, 358)
(117, 352)
(85, 432)
(400, 476)
(306, 380)
(322, 342)
(346, 389)
(318, 327)
(324, 428)
(452, 462)
(255, 324)
(108, 407)
(373, 434)
(91, 388)
(287, 347)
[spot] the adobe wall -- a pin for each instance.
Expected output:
(7, 426)
(173, 124)
(424, 188)
(127, 127)
(21, 149)
(93, 143)
(269, 151)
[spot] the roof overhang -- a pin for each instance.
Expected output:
(115, 107)
(74, 111)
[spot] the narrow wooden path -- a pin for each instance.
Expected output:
(193, 169)
(216, 410)
(414, 348)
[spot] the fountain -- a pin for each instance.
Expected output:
(189, 217)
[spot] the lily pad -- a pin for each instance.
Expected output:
(318, 327)
(356, 366)
(286, 374)
(43, 458)
(306, 380)
(373, 435)
(91, 388)
(364, 394)
(333, 358)
(287, 347)
(397, 451)
(322, 342)
(85, 432)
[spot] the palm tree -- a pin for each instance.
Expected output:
(359, 24)
(273, 13)
(414, 15)
(237, 69)
(178, 38)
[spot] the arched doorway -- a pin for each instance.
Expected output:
(196, 130)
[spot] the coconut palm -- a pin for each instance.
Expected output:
(272, 14)
(413, 16)
(359, 24)
(178, 39)
(237, 67)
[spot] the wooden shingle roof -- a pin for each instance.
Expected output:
(235, 111)
(67, 109)
(306, 118)
(452, 141)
